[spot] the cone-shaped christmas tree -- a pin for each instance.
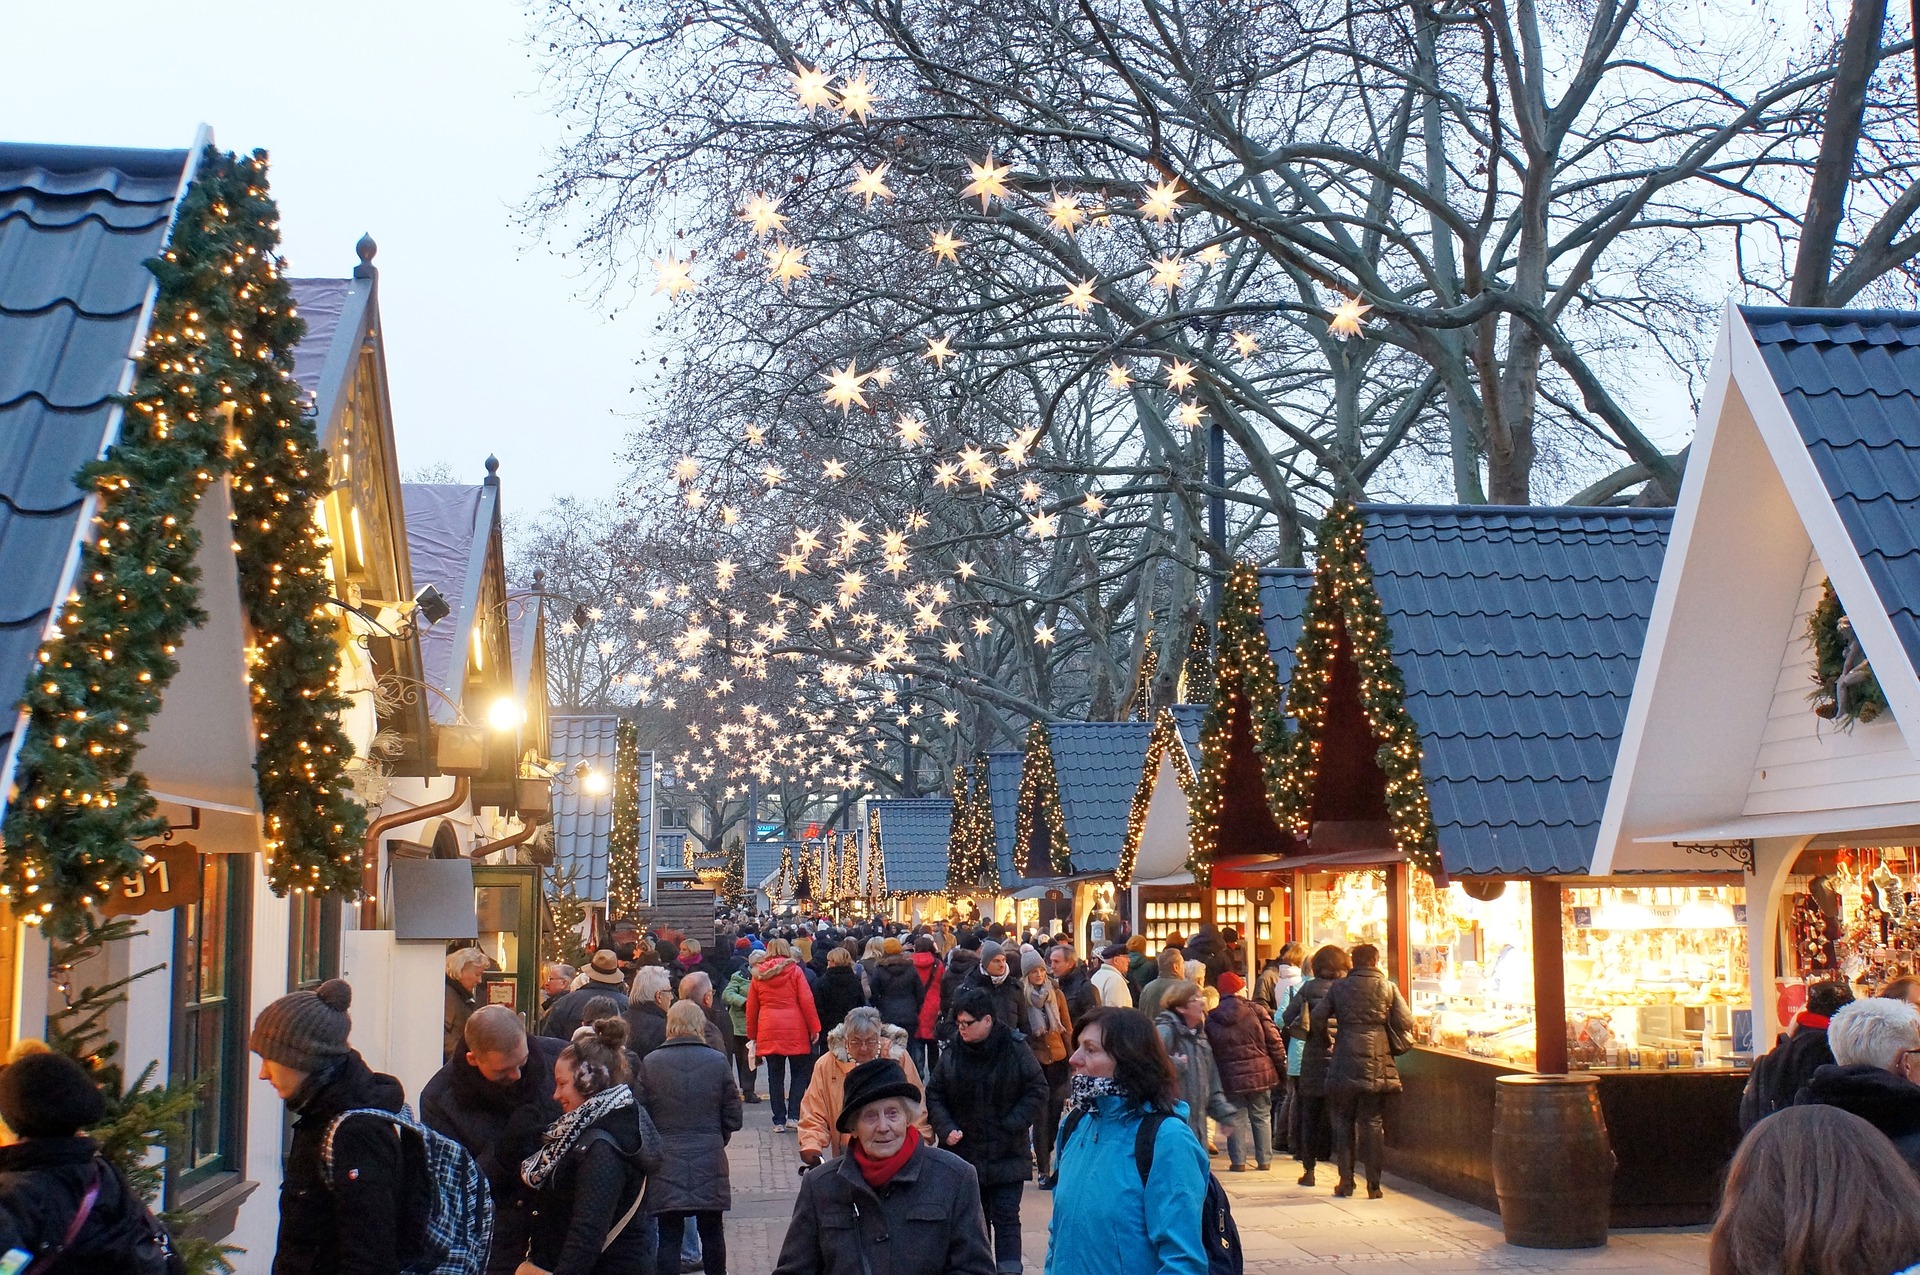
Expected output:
(1243, 745)
(1040, 827)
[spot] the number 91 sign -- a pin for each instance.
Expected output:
(170, 879)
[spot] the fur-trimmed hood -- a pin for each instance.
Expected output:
(893, 1038)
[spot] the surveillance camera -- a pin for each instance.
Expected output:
(432, 606)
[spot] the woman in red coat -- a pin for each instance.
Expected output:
(926, 964)
(784, 1026)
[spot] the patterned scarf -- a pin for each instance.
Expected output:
(558, 1140)
(1088, 1088)
(1043, 1016)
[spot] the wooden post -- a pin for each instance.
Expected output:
(1549, 980)
(1399, 942)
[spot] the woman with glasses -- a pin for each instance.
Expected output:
(863, 1037)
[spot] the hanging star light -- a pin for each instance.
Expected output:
(964, 569)
(672, 277)
(811, 86)
(870, 183)
(852, 532)
(696, 499)
(852, 583)
(785, 263)
(1118, 376)
(944, 246)
(724, 571)
(794, 564)
(945, 475)
(1016, 450)
(772, 476)
(982, 625)
(1349, 317)
(844, 389)
(1180, 376)
(756, 435)
(1065, 212)
(1094, 503)
(1168, 271)
(1030, 490)
(763, 214)
(1079, 297)
(857, 98)
(833, 470)
(1245, 344)
(1162, 201)
(729, 515)
(686, 469)
(1043, 634)
(1191, 414)
(952, 651)
(1041, 526)
(989, 181)
(1213, 254)
(939, 349)
(911, 429)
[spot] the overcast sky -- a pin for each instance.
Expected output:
(416, 121)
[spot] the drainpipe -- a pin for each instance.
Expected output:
(527, 829)
(370, 855)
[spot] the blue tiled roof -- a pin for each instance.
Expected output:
(1518, 631)
(582, 824)
(1283, 603)
(1192, 718)
(763, 860)
(1003, 785)
(1098, 765)
(77, 225)
(1851, 381)
(913, 837)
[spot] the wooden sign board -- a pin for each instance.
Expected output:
(171, 879)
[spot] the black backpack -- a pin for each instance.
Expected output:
(1217, 1230)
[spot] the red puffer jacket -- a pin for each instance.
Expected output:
(781, 1018)
(927, 966)
(1247, 1047)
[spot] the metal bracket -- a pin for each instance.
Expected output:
(1740, 851)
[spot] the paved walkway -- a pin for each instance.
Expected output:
(1282, 1226)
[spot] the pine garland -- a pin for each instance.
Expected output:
(1163, 741)
(1246, 699)
(1038, 808)
(1343, 600)
(1866, 701)
(877, 890)
(213, 395)
(962, 873)
(623, 840)
(983, 839)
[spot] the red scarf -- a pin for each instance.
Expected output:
(1812, 1020)
(880, 1172)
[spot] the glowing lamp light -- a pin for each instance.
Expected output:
(596, 783)
(504, 714)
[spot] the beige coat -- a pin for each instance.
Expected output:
(820, 1106)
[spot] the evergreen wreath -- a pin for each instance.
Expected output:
(1865, 700)
(213, 397)
(1246, 697)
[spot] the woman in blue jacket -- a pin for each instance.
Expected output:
(1106, 1219)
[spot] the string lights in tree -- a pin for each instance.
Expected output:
(1162, 742)
(962, 872)
(1037, 816)
(213, 397)
(982, 840)
(623, 842)
(1244, 713)
(1343, 612)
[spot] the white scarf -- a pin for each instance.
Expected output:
(559, 1139)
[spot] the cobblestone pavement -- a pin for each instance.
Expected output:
(1283, 1227)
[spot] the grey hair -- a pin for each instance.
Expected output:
(696, 986)
(561, 970)
(865, 1021)
(1874, 1033)
(650, 983)
(464, 959)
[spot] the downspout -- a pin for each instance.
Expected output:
(370, 854)
(527, 829)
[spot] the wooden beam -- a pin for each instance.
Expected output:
(1399, 943)
(1549, 979)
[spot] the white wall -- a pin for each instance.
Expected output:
(259, 1219)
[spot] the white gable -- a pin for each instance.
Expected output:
(1163, 837)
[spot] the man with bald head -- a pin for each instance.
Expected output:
(495, 1098)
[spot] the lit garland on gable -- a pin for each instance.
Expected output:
(985, 851)
(1037, 811)
(783, 885)
(1163, 741)
(623, 842)
(1343, 597)
(961, 871)
(876, 859)
(1246, 696)
(213, 396)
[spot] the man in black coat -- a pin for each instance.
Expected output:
(495, 1098)
(982, 1100)
(1876, 1050)
(603, 978)
(1783, 1072)
(1075, 983)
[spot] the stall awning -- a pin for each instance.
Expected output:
(1807, 823)
(1333, 861)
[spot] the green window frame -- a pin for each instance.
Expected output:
(211, 950)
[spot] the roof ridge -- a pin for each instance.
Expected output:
(1624, 512)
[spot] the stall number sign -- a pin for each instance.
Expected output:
(171, 879)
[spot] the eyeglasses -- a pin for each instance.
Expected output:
(966, 1022)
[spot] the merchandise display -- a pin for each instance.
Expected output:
(1231, 907)
(1346, 908)
(1853, 912)
(1172, 912)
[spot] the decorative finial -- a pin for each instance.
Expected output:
(366, 248)
(539, 577)
(493, 471)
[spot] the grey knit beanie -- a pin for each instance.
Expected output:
(305, 1030)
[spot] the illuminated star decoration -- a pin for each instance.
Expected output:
(1180, 376)
(1168, 271)
(1065, 212)
(1349, 317)
(833, 471)
(939, 349)
(810, 85)
(1162, 201)
(982, 625)
(764, 215)
(1094, 504)
(856, 98)
(1213, 254)
(1043, 525)
(686, 469)
(989, 181)
(911, 430)
(1191, 414)
(673, 277)
(1118, 376)
(1079, 296)
(843, 388)
(870, 183)
(785, 263)
(1043, 634)
(1245, 344)
(944, 246)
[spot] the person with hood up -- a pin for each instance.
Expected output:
(925, 1044)
(495, 1098)
(982, 1099)
(364, 1218)
(784, 1025)
(1252, 1057)
(1876, 1051)
(1363, 1005)
(994, 976)
(1312, 1036)
(688, 1090)
(601, 977)
(646, 1011)
(746, 1067)
(1778, 1077)
(64, 1206)
(862, 1038)
(1182, 1024)
(466, 970)
(961, 961)
(1106, 1221)
(839, 990)
(589, 1175)
(1050, 1037)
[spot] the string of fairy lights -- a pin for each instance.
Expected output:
(1037, 812)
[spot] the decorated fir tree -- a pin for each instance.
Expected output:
(1244, 726)
(985, 858)
(1039, 822)
(960, 837)
(1199, 674)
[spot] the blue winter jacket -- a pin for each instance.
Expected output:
(1102, 1223)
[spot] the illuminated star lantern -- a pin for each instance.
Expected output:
(1168, 271)
(944, 246)
(696, 499)
(756, 435)
(794, 564)
(806, 540)
(1213, 254)
(856, 98)
(1191, 414)
(945, 475)
(843, 388)
(1079, 296)
(1118, 376)
(772, 476)
(729, 515)
(1162, 201)
(686, 469)
(850, 586)
(893, 543)
(833, 471)
(811, 86)
(917, 521)
(911, 429)
(1030, 490)
(723, 572)
(1094, 504)
(982, 625)
(1065, 212)
(785, 263)
(1016, 451)
(951, 649)
(1245, 344)
(763, 214)
(1043, 634)
(989, 181)
(852, 533)
(672, 277)
(1041, 526)
(1180, 376)
(964, 569)
(939, 349)
(1349, 317)
(871, 183)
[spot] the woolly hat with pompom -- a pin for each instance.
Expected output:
(305, 1030)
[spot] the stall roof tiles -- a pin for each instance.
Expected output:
(762, 861)
(1003, 787)
(913, 836)
(1098, 765)
(77, 225)
(1283, 603)
(1851, 382)
(1518, 632)
(583, 824)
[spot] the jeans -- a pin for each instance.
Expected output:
(787, 1077)
(1359, 1117)
(713, 1242)
(1001, 1203)
(1045, 1129)
(746, 1075)
(1316, 1141)
(1252, 1121)
(924, 1055)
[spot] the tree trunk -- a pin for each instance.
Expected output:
(1846, 106)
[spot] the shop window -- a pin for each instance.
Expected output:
(1250, 920)
(1167, 913)
(210, 951)
(313, 945)
(1345, 909)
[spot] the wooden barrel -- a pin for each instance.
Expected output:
(1552, 1165)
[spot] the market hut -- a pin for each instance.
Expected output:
(908, 836)
(1775, 725)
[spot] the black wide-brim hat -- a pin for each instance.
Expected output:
(870, 1082)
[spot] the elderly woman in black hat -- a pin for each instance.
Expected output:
(890, 1189)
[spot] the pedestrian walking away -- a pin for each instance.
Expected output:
(1107, 1218)
(698, 988)
(63, 1206)
(983, 1098)
(892, 1205)
(1369, 1012)
(1252, 1059)
(785, 1026)
(746, 1065)
(1778, 1077)
(590, 1171)
(646, 1011)
(687, 1088)
(1171, 969)
(1313, 1126)
(861, 1039)
(495, 1098)
(839, 991)
(926, 1035)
